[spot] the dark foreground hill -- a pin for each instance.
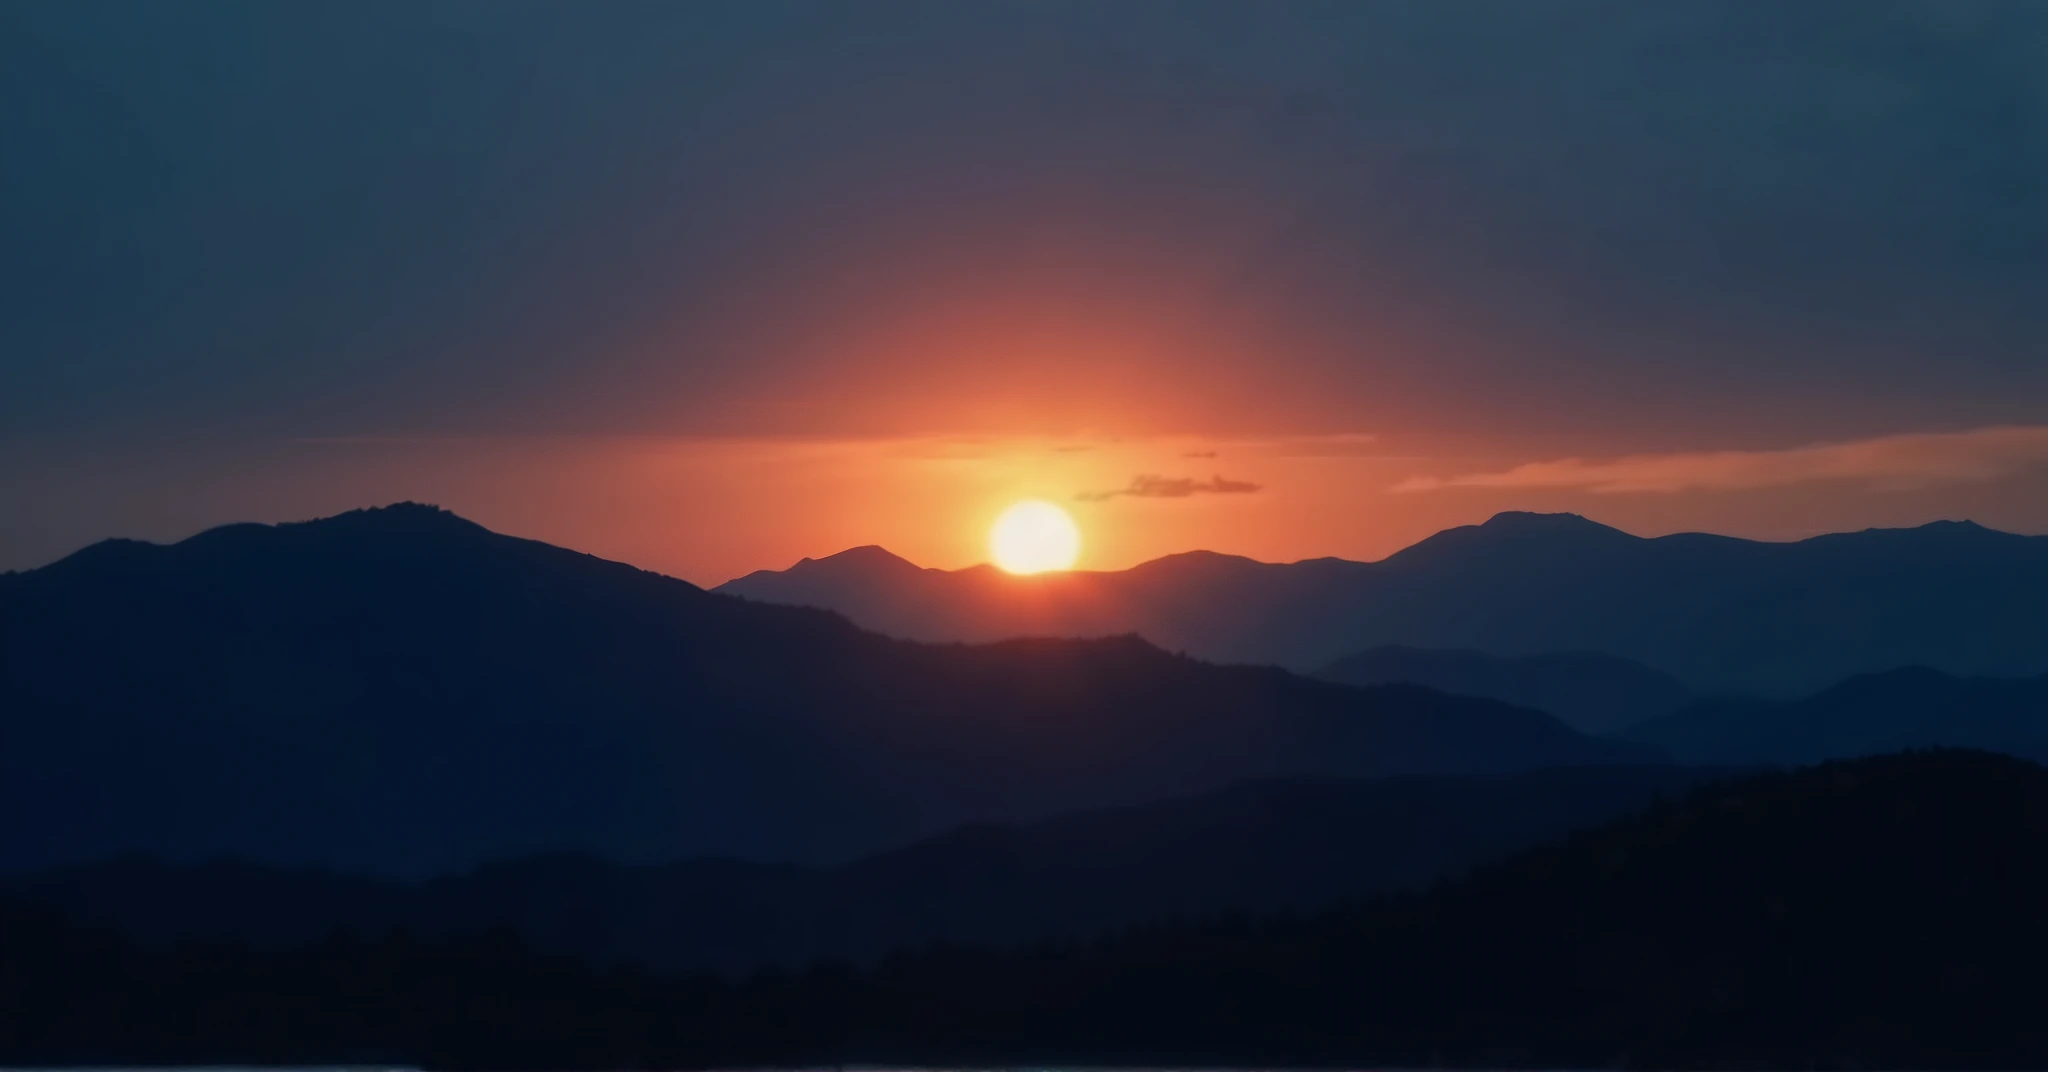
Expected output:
(1865, 715)
(1262, 847)
(1719, 613)
(1875, 913)
(1591, 692)
(401, 691)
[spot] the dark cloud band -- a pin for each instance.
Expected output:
(1154, 486)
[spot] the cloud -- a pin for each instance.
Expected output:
(1330, 445)
(1888, 463)
(1338, 445)
(1153, 486)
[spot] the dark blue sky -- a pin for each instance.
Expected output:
(1618, 226)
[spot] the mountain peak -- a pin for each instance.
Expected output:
(870, 555)
(1943, 533)
(867, 560)
(1964, 529)
(1525, 521)
(861, 567)
(1515, 532)
(399, 524)
(1195, 561)
(403, 519)
(406, 516)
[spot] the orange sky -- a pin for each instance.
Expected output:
(711, 288)
(708, 510)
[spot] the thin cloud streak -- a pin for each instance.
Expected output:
(1154, 486)
(1339, 445)
(1886, 463)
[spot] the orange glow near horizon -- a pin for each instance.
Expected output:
(711, 509)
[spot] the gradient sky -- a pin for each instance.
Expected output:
(712, 287)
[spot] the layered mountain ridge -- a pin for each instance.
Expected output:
(400, 691)
(1719, 614)
(1255, 847)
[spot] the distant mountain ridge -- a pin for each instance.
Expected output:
(1870, 714)
(400, 691)
(1591, 692)
(1718, 613)
(1262, 847)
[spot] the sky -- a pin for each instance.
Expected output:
(709, 288)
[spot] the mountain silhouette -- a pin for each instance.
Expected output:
(1878, 913)
(1866, 715)
(1261, 847)
(1718, 613)
(400, 691)
(1874, 913)
(1592, 693)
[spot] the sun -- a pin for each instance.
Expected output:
(1034, 536)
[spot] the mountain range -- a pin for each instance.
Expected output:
(1257, 847)
(1879, 913)
(1716, 613)
(1591, 692)
(1912, 707)
(401, 692)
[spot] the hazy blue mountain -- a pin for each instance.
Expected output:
(1866, 715)
(402, 691)
(1256, 847)
(1717, 613)
(1592, 693)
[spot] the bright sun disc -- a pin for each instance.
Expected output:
(1034, 536)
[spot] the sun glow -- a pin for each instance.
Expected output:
(1034, 536)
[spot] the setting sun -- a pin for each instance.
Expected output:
(1034, 536)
